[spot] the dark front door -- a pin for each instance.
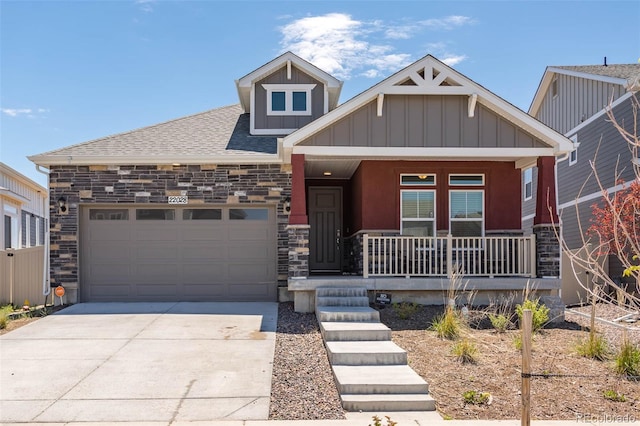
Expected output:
(325, 220)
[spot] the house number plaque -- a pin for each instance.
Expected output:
(178, 199)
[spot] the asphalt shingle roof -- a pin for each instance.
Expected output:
(625, 71)
(217, 132)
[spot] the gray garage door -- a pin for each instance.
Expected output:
(178, 253)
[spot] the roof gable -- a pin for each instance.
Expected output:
(287, 59)
(429, 76)
(627, 75)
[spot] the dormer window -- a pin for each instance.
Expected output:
(288, 99)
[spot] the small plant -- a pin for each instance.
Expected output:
(539, 313)
(405, 310)
(517, 341)
(465, 351)
(448, 325)
(614, 396)
(377, 421)
(627, 361)
(500, 322)
(4, 315)
(594, 347)
(477, 398)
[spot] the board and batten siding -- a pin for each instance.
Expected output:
(264, 121)
(601, 143)
(577, 100)
(423, 121)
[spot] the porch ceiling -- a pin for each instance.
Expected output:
(339, 168)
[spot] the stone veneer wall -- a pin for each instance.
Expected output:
(152, 184)
(298, 251)
(547, 250)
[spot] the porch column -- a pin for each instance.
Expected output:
(298, 214)
(546, 223)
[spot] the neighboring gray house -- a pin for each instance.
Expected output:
(288, 191)
(573, 101)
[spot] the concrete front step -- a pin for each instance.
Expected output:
(388, 402)
(341, 292)
(354, 331)
(378, 379)
(366, 353)
(347, 313)
(342, 301)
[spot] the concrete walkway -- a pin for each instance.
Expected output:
(140, 362)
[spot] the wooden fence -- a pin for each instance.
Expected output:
(21, 276)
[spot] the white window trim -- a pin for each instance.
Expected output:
(16, 224)
(466, 184)
(554, 88)
(288, 90)
(419, 219)
(526, 180)
(468, 219)
(573, 155)
(418, 175)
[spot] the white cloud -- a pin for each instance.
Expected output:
(145, 5)
(343, 46)
(447, 23)
(338, 44)
(28, 112)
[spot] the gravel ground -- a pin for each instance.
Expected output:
(302, 386)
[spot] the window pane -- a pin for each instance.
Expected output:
(466, 228)
(418, 228)
(425, 205)
(418, 179)
(201, 214)
(476, 180)
(474, 204)
(249, 214)
(155, 214)
(465, 204)
(409, 204)
(299, 101)
(108, 214)
(277, 101)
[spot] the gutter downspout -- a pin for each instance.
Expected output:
(46, 286)
(559, 160)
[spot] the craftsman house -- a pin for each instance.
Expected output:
(395, 190)
(574, 100)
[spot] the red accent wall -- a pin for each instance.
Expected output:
(375, 190)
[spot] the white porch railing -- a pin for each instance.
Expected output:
(437, 256)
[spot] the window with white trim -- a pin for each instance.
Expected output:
(466, 180)
(573, 155)
(418, 213)
(466, 213)
(528, 184)
(288, 99)
(11, 227)
(420, 179)
(554, 87)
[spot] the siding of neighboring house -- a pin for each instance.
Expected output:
(264, 121)
(577, 99)
(423, 121)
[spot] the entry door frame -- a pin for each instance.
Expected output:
(318, 229)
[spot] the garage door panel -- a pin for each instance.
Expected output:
(188, 256)
(203, 233)
(109, 273)
(203, 273)
(110, 290)
(159, 252)
(199, 252)
(110, 252)
(153, 289)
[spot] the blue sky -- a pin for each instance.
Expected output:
(72, 71)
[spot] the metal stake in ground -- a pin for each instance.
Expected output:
(526, 367)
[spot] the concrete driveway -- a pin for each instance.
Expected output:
(163, 362)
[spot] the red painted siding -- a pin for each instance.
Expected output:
(375, 189)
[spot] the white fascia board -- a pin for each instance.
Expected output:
(588, 76)
(89, 160)
(438, 90)
(242, 96)
(272, 132)
(5, 193)
(467, 154)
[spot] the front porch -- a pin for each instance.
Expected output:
(417, 269)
